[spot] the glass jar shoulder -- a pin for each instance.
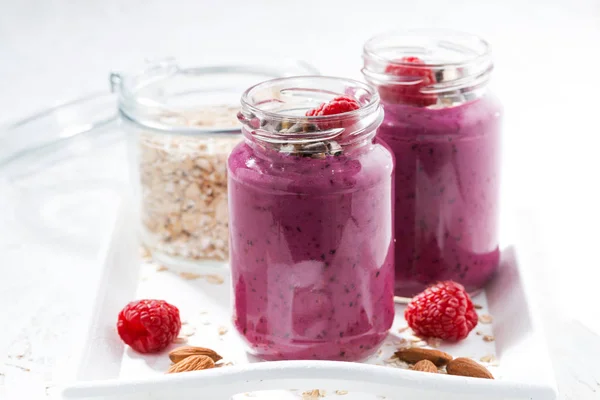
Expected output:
(288, 173)
(473, 118)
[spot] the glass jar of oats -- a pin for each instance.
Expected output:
(183, 126)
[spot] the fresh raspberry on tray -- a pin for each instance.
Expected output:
(148, 326)
(443, 311)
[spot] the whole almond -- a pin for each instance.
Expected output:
(192, 363)
(415, 354)
(425, 366)
(466, 367)
(183, 352)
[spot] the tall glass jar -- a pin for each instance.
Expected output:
(183, 126)
(443, 125)
(310, 202)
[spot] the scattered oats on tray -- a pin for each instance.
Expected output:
(223, 330)
(189, 276)
(488, 338)
(313, 394)
(403, 329)
(485, 319)
(227, 364)
(489, 359)
(214, 279)
(395, 362)
(414, 339)
(187, 330)
(145, 253)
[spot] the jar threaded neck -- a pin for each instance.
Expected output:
(451, 67)
(274, 113)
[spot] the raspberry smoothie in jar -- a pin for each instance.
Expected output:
(311, 221)
(443, 125)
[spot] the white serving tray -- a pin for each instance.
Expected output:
(109, 370)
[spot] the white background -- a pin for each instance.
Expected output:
(547, 59)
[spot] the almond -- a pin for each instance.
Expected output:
(183, 352)
(466, 367)
(192, 363)
(415, 354)
(425, 366)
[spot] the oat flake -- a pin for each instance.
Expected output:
(187, 331)
(313, 394)
(485, 319)
(145, 253)
(490, 358)
(414, 339)
(214, 279)
(223, 330)
(189, 276)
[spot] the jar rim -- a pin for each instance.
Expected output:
(460, 63)
(370, 48)
(274, 111)
(368, 107)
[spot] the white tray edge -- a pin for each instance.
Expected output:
(393, 383)
(225, 382)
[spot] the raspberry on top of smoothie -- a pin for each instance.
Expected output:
(409, 92)
(337, 105)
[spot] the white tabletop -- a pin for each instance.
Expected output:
(546, 55)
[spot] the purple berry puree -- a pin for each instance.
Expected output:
(312, 252)
(446, 193)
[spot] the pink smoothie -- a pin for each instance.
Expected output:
(446, 192)
(311, 252)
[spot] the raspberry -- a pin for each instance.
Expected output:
(443, 311)
(338, 105)
(409, 94)
(148, 326)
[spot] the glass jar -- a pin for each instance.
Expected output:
(183, 126)
(443, 125)
(310, 202)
